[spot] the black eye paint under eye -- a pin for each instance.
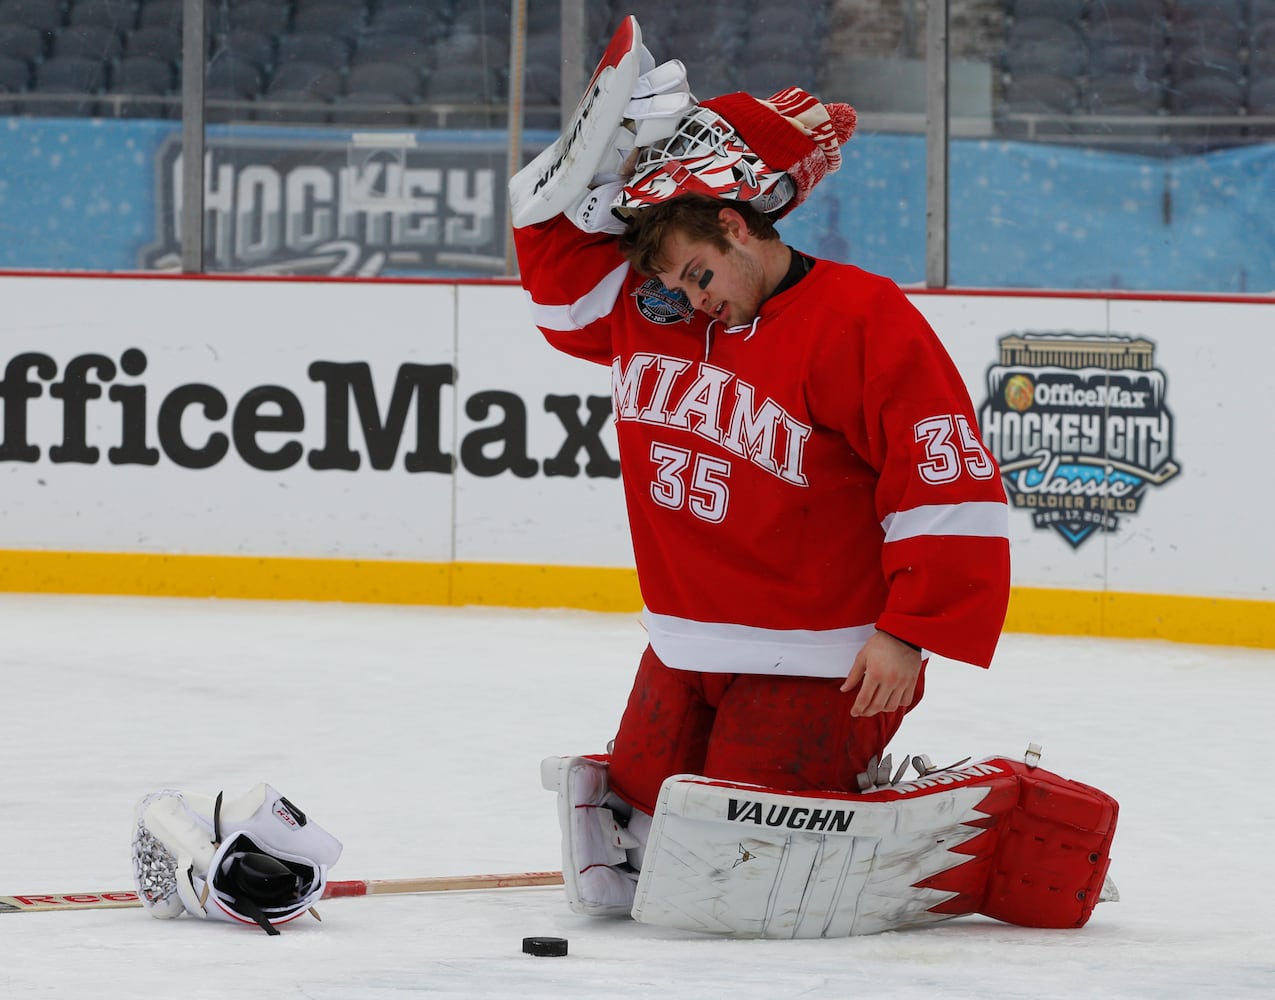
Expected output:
(707, 277)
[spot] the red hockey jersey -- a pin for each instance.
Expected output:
(794, 485)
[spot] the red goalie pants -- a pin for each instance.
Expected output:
(789, 733)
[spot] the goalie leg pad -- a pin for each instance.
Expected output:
(995, 837)
(597, 845)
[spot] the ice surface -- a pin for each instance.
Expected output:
(415, 736)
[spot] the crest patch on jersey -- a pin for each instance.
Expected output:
(663, 305)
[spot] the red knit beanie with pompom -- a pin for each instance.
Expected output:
(791, 131)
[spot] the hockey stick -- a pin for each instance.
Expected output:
(359, 887)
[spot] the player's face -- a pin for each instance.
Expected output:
(726, 285)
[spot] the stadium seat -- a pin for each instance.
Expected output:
(724, 22)
(1193, 32)
(482, 19)
(544, 18)
(1146, 11)
(265, 16)
(88, 41)
(136, 78)
(371, 108)
(1261, 43)
(465, 84)
(761, 78)
(44, 14)
(381, 94)
(1261, 100)
(1146, 35)
(15, 75)
(118, 15)
(21, 41)
(723, 76)
(1207, 59)
(300, 83)
(1122, 95)
(543, 47)
(469, 46)
(160, 14)
(395, 48)
(542, 95)
(415, 20)
(1127, 47)
(232, 78)
(1023, 29)
(342, 20)
(1207, 95)
(158, 43)
(148, 74)
(655, 16)
(1127, 60)
(1209, 11)
(317, 80)
(787, 46)
(438, 9)
(68, 76)
(255, 47)
(1042, 94)
(1062, 54)
(313, 47)
(1261, 14)
(395, 79)
(1066, 11)
(459, 80)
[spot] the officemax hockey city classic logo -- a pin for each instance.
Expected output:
(1080, 426)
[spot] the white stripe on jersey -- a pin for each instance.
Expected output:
(589, 308)
(980, 519)
(721, 648)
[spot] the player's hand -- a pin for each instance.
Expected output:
(885, 671)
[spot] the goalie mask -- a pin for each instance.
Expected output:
(769, 153)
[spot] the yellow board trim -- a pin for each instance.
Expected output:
(1217, 621)
(1209, 620)
(285, 579)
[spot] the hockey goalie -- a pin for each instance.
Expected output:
(813, 515)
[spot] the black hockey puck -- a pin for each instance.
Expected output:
(544, 947)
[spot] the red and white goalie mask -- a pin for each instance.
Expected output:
(769, 153)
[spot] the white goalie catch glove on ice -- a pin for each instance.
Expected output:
(661, 97)
(255, 860)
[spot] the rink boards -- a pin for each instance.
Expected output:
(417, 442)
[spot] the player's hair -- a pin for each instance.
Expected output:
(697, 217)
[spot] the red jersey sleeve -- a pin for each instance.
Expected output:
(574, 281)
(939, 497)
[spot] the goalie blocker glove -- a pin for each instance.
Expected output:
(256, 860)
